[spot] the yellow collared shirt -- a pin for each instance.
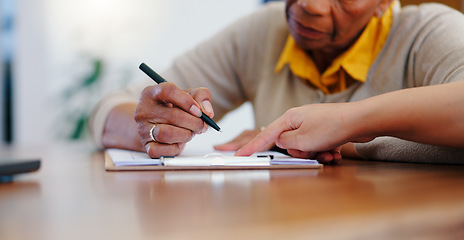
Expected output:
(352, 64)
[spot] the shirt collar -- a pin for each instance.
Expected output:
(355, 62)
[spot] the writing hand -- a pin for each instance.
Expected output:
(176, 115)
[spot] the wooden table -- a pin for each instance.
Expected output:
(73, 197)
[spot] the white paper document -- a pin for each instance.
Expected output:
(131, 158)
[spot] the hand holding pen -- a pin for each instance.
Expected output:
(168, 117)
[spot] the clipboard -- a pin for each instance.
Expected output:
(111, 166)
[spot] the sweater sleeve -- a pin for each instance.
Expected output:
(398, 150)
(100, 112)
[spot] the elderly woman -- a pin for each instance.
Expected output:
(352, 58)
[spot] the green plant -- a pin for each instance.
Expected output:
(80, 99)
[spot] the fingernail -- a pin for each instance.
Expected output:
(207, 106)
(195, 111)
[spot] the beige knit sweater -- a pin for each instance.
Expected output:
(425, 46)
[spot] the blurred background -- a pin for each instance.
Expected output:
(59, 57)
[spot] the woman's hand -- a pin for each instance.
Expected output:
(172, 115)
(311, 131)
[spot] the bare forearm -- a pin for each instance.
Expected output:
(121, 129)
(431, 115)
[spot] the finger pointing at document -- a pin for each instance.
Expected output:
(310, 131)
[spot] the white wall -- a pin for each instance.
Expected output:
(57, 39)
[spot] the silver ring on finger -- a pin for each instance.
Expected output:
(152, 136)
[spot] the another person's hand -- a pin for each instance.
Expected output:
(333, 156)
(172, 116)
(248, 135)
(311, 131)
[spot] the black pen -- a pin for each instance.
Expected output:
(158, 79)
